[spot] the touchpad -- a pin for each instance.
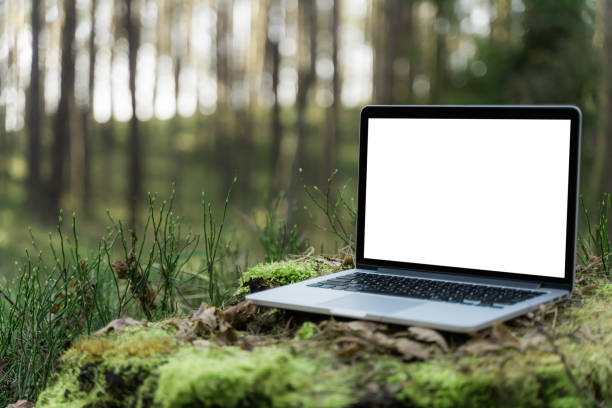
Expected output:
(371, 303)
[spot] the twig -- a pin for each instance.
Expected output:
(8, 299)
(573, 380)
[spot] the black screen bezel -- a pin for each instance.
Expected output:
(572, 113)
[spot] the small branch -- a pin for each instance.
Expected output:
(8, 299)
(573, 380)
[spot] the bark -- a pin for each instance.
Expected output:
(276, 127)
(607, 97)
(306, 78)
(439, 79)
(61, 127)
(387, 36)
(134, 149)
(35, 116)
(222, 126)
(413, 49)
(331, 135)
(88, 128)
(3, 144)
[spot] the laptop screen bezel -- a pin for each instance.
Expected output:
(475, 112)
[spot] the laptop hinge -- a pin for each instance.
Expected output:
(369, 267)
(462, 278)
(564, 286)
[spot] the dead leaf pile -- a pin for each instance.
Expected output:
(356, 336)
(498, 338)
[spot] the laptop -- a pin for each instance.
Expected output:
(466, 216)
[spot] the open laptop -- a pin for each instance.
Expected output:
(466, 216)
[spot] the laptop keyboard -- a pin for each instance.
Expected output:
(443, 291)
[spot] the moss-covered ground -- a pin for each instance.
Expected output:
(560, 356)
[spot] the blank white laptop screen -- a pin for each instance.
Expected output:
(486, 194)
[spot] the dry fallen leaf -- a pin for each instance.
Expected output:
(196, 313)
(226, 335)
(119, 325)
(428, 336)
(361, 326)
(533, 339)
(410, 349)
(504, 336)
(371, 336)
(501, 338)
(479, 346)
(239, 315)
(21, 404)
(206, 321)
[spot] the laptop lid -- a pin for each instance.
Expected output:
(490, 191)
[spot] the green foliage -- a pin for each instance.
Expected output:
(340, 212)
(211, 236)
(279, 240)
(597, 240)
(66, 292)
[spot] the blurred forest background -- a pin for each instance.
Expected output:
(102, 101)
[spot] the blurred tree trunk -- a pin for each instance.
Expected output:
(607, 86)
(35, 116)
(388, 23)
(134, 149)
(88, 126)
(180, 51)
(413, 50)
(331, 134)
(222, 125)
(442, 25)
(254, 69)
(600, 155)
(274, 18)
(62, 123)
(307, 20)
(3, 144)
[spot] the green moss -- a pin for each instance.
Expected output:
(111, 369)
(282, 273)
(434, 385)
(148, 366)
(306, 331)
(264, 377)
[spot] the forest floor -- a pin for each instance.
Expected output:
(246, 355)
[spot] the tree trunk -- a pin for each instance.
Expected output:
(439, 78)
(35, 116)
(306, 77)
(88, 126)
(3, 144)
(134, 150)
(331, 134)
(223, 155)
(607, 105)
(389, 25)
(276, 126)
(62, 121)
